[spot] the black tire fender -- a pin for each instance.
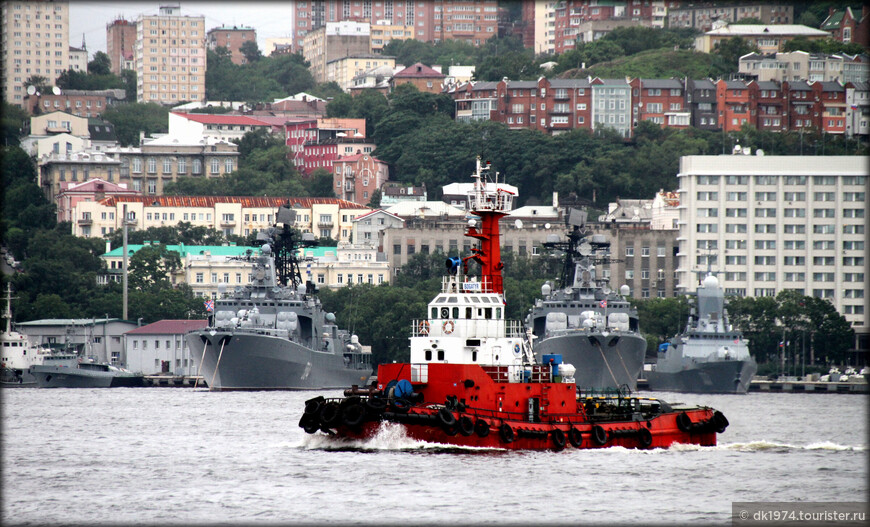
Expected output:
(599, 435)
(353, 415)
(720, 422)
(466, 425)
(446, 418)
(644, 437)
(684, 422)
(575, 437)
(481, 427)
(330, 414)
(558, 439)
(506, 433)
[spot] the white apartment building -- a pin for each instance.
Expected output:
(773, 223)
(35, 42)
(170, 57)
(240, 216)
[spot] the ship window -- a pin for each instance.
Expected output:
(440, 354)
(445, 312)
(467, 312)
(455, 312)
(488, 313)
(434, 312)
(484, 299)
(498, 313)
(441, 299)
(474, 356)
(475, 299)
(428, 354)
(451, 299)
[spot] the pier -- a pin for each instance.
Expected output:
(794, 386)
(175, 381)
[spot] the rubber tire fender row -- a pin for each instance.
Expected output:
(309, 423)
(313, 406)
(575, 437)
(353, 415)
(466, 426)
(644, 437)
(684, 422)
(330, 414)
(599, 435)
(558, 439)
(720, 422)
(446, 418)
(506, 433)
(481, 427)
(376, 404)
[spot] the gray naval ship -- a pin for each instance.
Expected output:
(274, 334)
(709, 356)
(592, 327)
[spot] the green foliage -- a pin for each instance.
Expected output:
(660, 319)
(80, 80)
(12, 120)
(790, 317)
(39, 82)
(181, 233)
(515, 65)
(101, 64)
(131, 118)
(731, 50)
(251, 51)
(657, 64)
(25, 208)
(319, 184)
(828, 45)
(151, 266)
(263, 79)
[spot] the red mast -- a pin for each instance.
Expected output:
(489, 202)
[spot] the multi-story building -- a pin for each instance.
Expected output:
(468, 20)
(847, 25)
(82, 103)
(316, 143)
(701, 102)
(661, 101)
(394, 192)
(221, 126)
(78, 59)
(100, 338)
(160, 348)
(768, 98)
(170, 57)
(768, 38)
(611, 104)
(774, 223)
(425, 79)
(703, 15)
(356, 177)
(734, 105)
(333, 41)
(800, 65)
(93, 189)
(29, 50)
(857, 109)
(343, 70)
(368, 230)
(121, 44)
(231, 38)
(383, 34)
(240, 216)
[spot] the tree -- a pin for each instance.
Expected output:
(375, 202)
(732, 49)
(39, 82)
(151, 267)
(13, 120)
(319, 184)
(131, 118)
(101, 64)
(250, 51)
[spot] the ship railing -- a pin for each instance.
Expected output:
(535, 373)
(472, 328)
(471, 284)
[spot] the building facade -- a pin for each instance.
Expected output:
(774, 223)
(121, 44)
(99, 338)
(343, 70)
(767, 38)
(159, 348)
(231, 38)
(333, 41)
(702, 17)
(29, 50)
(356, 177)
(81, 103)
(170, 57)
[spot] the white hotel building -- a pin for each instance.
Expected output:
(773, 223)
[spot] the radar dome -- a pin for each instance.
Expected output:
(266, 248)
(624, 290)
(545, 290)
(330, 317)
(711, 282)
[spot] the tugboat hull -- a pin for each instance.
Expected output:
(250, 361)
(603, 362)
(707, 377)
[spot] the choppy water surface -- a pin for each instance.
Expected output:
(151, 455)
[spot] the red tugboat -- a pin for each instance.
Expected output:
(472, 379)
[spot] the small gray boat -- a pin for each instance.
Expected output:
(86, 375)
(709, 356)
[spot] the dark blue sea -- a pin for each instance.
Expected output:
(183, 456)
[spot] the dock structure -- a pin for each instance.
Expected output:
(175, 381)
(794, 386)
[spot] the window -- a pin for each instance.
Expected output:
(735, 213)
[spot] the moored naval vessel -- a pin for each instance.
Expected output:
(583, 320)
(710, 356)
(273, 334)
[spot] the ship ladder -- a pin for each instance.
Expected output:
(199, 369)
(221, 354)
(604, 358)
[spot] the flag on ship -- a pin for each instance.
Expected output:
(603, 303)
(209, 305)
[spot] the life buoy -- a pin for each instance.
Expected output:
(466, 426)
(558, 439)
(506, 433)
(684, 422)
(575, 437)
(720, 422)
(424, 327)
(481, 427)
(599, 435)
(644, 437)
(448, 326)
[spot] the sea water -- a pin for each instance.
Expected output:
(180, 455)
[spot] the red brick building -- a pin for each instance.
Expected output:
(82, 103)
(231, 38)
(420, 75)
(734, 105)
(662, 101)
(848, 25)
(800, 105)
(121, 44)
(830, 106)
(356, 177)
(768, 100)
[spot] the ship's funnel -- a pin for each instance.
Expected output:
(452, 264)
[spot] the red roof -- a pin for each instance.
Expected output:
(355, 157)
(209, 201)
(206, 118)
(418, 70)
(169, 327)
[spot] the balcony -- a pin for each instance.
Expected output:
(228, 223)
(85, 221)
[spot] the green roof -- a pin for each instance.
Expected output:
(319, 252)
(833, 21)
(186, 250)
